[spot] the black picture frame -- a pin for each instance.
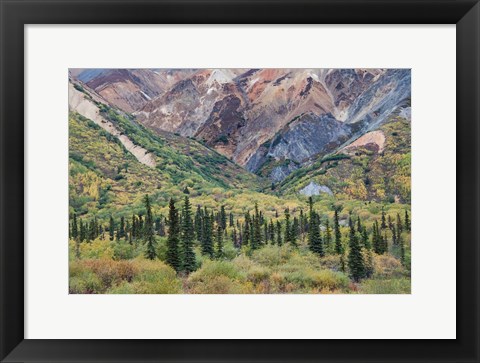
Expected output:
(15, 14)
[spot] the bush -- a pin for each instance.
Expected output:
(272, 255)
(387, 266)
(85, 282)
(386, 286)
(155, 277)
(122, 250)
(218, 277)
(96, 249)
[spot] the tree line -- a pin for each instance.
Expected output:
(209, 230)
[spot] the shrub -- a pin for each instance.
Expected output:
(218, 277)
(96, 249)
(272, 255)
(85, 282)
(155, 277)
(387, 266)
(123, 250)
(386, 286)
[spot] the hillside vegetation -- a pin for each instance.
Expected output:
(196, 222)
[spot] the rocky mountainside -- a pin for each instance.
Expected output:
(270, 121)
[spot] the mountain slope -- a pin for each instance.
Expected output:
(108, 168)
(270, 121)
(376, 166)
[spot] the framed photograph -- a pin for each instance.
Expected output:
(239, 181)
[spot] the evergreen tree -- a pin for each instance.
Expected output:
(314, 239)
(219, 240)
(389, 222)
(271, 232)
(223, 218)
(235, 238)
(265, 232)
(356, 264)
(122, 228)
(328, 236)
(198, 223)
(402, 248)
(384, 243)
(257, 233)
(365, 240)
(187, 237)
(186, 191)
(288, 229)
(134, 227)
(173, 239)
(359, 225)
(207, 234)
(140, 226)
(279, 233)
(74, 227)
(394, 234)
(111, 229)
(378, 241)
(384, 224)
(407, 221)
(338, 235)
(399, 224)
(246, 231)
(295, 229)
(231, 222)
(149, 232)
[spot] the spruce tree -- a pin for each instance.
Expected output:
(149, 232)
(235, 238)
(111, 229)
(257, 232)
(384, 224)
(265, 232)
(402, 248)
(359, 225)
(365, 240)
(394, 234)
(389, 222)
(314, 239)
(231, 222)
(288, 228)
(134, 227)
(207, 235)
(140, 226)
(198, 223)
(399, 224)
(223, 217)
(219, 244)
(356, 264)
(173, 239)
(74, 227)
(328, 236)
(385, 243)
(187, 237)
(338, 235)
(246, 231)
(271, 232)
(279, 233)
(121, 233)
(295, 229)
(376, 239)
(407, 221)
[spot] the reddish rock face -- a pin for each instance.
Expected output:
(236, 111)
